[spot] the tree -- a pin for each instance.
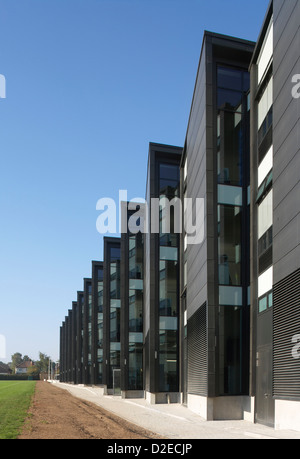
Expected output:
(33, 371)
(42, 364)
(16, 359)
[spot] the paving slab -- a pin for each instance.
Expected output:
(174, 421)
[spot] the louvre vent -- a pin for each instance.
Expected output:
(197, 352)
(265, 145)
(265, 260)
(286, 337)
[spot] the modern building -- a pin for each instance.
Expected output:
(132, 281)
(275, 217)
(97, 322)
(161, 276)
(215, 276)
(202, 305)
(112, 315)
(87, 331)
(79, 339)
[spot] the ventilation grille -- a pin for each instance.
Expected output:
(197, 352)
(265, 260)
(286, 325)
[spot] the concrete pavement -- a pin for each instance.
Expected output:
(174, 421)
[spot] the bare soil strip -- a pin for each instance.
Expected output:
(56, 414)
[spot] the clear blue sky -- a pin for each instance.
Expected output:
(89, 84)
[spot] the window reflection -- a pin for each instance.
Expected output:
(135, 313)
(168, 283)
(230, 350)
(229, 244)
(230, 148)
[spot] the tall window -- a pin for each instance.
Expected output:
(100, 326)
(115, 304)
(168, 283)
(232, 210)
(135, 358)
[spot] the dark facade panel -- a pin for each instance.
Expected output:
(216, 154)
(97, 322)
(195, 155)
(111, 309)
(286, 337)
(160, 313)
(79, 344)
(132, 254)
(197, 352)
(286, 178)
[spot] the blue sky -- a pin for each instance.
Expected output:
(89, 83)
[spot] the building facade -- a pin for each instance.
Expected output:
(275, 252)
(132, 295)
(112, 315)
(215, 270)
(161, 275)
(202, 305)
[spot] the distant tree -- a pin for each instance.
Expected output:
(43, 363)
(33, 371)
(16, 359)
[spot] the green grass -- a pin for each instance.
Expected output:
(15, 398)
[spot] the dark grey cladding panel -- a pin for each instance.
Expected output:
(286, 337)
(197, 353)
(286, 165)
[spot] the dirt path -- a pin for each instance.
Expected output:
(56, 414)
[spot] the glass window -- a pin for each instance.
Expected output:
(168, 380)
(231, 195)
(262, 304)
(115, 325)
(115, 280)
(232, 296)
(168, 288)
(229, 78)
(135, 310)
(265, 302)
(135, 365)
(230, 350)
(168, 253)
(229, 244)
(230, 148)
(169, 171)
(136, 256)
(265, 214)
(270, 300)
(169, 179)
(229, 100)
(115, 253)
(265, 103)
(246, 81)
(100, 274)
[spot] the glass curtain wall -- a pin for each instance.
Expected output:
(135, 313)
(89, 332)
(100, 326)
(169, 183)
(232, 214)
(115, 305)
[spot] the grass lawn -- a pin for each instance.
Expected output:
(15, 398)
